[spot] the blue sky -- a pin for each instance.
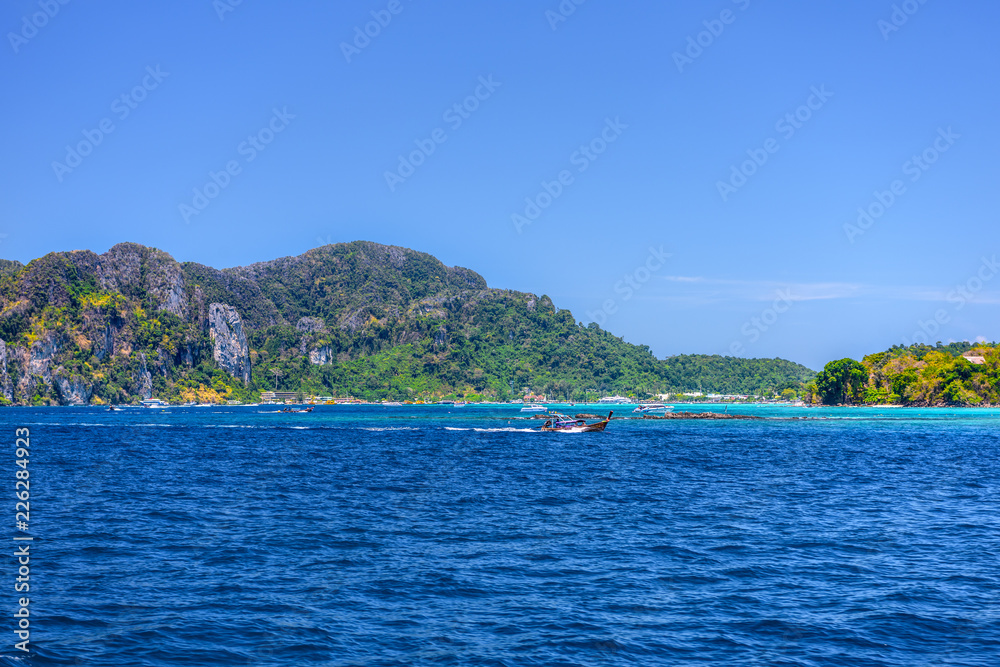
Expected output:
(692, 197)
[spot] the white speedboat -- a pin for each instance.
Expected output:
(654, 409)
(535, 409)
(614, 400)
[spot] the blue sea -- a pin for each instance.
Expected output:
(433, 535)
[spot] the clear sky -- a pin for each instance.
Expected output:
(738, 137)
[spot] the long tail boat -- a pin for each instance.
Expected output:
(566, 425)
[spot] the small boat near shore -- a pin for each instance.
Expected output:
(535, 409)
(563, 424)
(295, 411)
(654, 409)
(614, 400)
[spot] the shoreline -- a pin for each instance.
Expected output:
(515, 405)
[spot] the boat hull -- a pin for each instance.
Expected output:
(590, 428)
(596, 427)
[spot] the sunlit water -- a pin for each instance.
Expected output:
(458, 536)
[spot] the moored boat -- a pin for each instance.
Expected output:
(614, 400)
(654, 409)
(534, 408)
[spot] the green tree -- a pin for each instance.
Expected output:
(841, 381)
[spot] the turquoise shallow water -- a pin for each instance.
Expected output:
(458, 536)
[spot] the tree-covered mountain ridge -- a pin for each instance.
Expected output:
(360, 318)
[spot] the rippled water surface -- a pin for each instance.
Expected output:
(456, 536)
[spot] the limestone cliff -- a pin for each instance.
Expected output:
(321, 356)
(6, 390)
(35, 364)
(230, 349)
(312, 344)
(72, 389)
(143, 379)
(129, 268)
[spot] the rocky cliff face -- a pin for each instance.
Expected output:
(231, 351)
(72, 389)
(321, 356)
(313, 330)
(310, 325)
(143, 379)
(129, 268)
(6, 390)
(36, 363)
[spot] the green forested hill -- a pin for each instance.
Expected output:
(919, 375)
(730, 375)
(358, 319)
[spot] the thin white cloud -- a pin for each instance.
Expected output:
(713, 290)
(684, 279)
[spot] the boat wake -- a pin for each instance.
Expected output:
(389, 428)
(509, 429)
